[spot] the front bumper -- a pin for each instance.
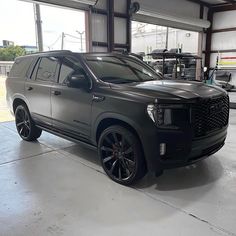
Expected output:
(182, 150)
(200, 149)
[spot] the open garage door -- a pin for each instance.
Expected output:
(185, 16)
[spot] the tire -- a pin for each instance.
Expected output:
(25, 125)
(121, 155)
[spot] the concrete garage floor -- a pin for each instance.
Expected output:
(55, 187)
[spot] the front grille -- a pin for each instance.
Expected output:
(210, 115)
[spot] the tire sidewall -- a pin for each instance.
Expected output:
(137, 153)
(22, 107)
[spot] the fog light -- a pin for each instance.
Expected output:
(162, 149)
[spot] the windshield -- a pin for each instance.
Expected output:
(120, 69)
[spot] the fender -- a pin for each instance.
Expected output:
(113, 115)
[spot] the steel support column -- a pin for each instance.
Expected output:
(110, 31)
(209, 39)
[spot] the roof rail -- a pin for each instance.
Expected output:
(54, 51)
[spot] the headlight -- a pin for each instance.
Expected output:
(168, 115)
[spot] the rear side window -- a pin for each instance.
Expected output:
(47, 69)
(20, 67)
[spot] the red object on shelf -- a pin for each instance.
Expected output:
(228, 58)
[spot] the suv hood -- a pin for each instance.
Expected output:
(174, 89)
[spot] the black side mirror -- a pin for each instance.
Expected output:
(77, 81)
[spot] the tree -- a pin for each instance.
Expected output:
(11, 52)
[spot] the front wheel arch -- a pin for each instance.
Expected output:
(107, 122)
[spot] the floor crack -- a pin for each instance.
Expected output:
(187, 213)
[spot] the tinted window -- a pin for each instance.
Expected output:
(47, 69)
(70, 67)
(21, 67)
(120, 69)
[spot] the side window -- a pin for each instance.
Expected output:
(69, 68)
(47, 69)
(21, 67)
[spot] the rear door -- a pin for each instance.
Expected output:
(38, 89)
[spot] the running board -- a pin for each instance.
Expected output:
(88, 145)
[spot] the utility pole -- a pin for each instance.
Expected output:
(81, 39)
(62, 40)
(38, 23)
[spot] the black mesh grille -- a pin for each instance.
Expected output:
(210, 115)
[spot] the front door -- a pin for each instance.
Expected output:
(71, 107)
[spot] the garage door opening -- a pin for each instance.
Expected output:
(63, 29)
(148, 37)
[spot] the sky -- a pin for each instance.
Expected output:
(17, 24)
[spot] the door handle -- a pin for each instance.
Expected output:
(98, 98)
(29, 88)
(56, 93)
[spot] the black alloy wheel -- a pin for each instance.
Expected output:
(121, 155)
(25, 125)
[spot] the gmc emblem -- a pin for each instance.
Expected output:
(216, 108)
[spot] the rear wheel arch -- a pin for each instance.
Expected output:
(17, 102)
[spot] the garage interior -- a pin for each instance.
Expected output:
(56, 187)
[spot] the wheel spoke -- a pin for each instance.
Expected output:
(113, 166)
(120, 176)
(21, 130)
(108, 159)
(126, 168)
(127, 171)
(130, 162)
(115, 138)
(27, 126)
(107, 149)
(129, 150)
(24, 131)
(122, 143)
(20, 115)
(23, 114)
(108, 140)
(20, 123)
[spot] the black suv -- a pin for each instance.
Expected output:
(137, 120)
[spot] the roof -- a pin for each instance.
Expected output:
(68, 52)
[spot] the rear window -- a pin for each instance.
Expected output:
(20, 67)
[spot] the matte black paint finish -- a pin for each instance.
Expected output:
(75, 113)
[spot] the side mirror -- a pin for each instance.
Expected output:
(77, 81)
